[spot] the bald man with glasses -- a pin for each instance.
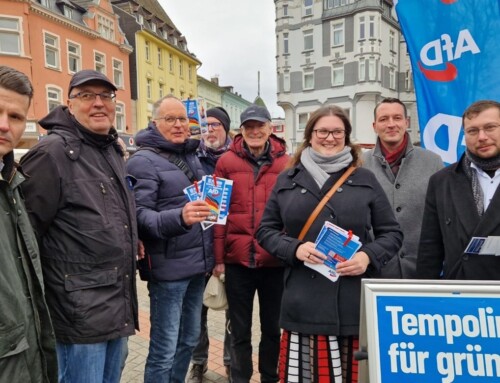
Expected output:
(178, 250)
(81, 205)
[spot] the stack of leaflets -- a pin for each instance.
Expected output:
(338, 245)
(216, 192)
(484, 245)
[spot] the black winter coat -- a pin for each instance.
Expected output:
(311, 303)
(82, 207)
(450, 222)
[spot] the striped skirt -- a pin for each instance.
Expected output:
(317, 359)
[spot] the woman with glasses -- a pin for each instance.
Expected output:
(320, 317)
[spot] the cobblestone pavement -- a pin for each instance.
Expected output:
(139, 343)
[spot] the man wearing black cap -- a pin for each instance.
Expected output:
(253, 162)
(81, 205)
(213, 144)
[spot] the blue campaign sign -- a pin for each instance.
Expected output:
(438, 339)
(453, 47)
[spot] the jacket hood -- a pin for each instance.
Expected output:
(60, 117)
(152, 138)
(278, 146)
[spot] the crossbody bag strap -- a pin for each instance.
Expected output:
(175, 159)
(323, 202)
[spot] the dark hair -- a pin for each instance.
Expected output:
(389, 100)
(328, 110)
(15, 81)
(479, 106)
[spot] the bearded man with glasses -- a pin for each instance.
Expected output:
(81, 205)
(463, 203)
(178, 250)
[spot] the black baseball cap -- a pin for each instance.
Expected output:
(255, 112)
(87, 75)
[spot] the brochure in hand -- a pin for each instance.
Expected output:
(217, 193)
(338, 245)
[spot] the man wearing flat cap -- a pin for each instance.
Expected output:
(81, 205)
(253, 162)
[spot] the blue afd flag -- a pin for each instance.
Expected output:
(455, 56)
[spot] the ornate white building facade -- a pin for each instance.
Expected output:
(345, 52)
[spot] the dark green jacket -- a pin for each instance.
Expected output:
(27, 342)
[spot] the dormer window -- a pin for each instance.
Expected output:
(139, 18)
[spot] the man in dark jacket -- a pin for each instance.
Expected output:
(178, 251)
(27, 342)
(82, 207)
(253, 162)
(214, 143)
(463, 203)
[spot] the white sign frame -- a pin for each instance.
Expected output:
(370, 371)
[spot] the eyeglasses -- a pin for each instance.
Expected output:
(488, 130)
(91, 96)
(214, 125)
(170, 120)
(323, 134)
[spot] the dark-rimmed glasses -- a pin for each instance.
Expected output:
(323, 134)
(91, 96)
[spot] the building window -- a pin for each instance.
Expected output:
(106, 27)
(362, 70)
(338, 75)
(408, 80)
(372, 27)
(308, 40)
(372, 70)
(285, 10)
(285, 43)
(153, 27)
(286, 82)
(74, 57)
(362, 28)
(120, 117)
(392, 78)
(149, 89)
(10, 36)
(161, 90)
(68, 12)
(303, 117)
(160, 57)
(100, 62)
(329, 4)
(181, 68)
(54, 97)
(338, 34)
(118, 73)
(51, 44)
(392, 38)
(170, 62)
(147, 51)
(308, 81)
(190, 73)
(308, 7)
(139, 18)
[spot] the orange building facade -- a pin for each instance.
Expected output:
(50, 40)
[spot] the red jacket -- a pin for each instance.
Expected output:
(235, 242)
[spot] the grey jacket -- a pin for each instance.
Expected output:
(27, 341)
(406, 194)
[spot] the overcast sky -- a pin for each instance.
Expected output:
(233, 39)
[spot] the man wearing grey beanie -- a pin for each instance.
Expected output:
(213, 145)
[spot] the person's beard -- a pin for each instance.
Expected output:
(213, 145)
